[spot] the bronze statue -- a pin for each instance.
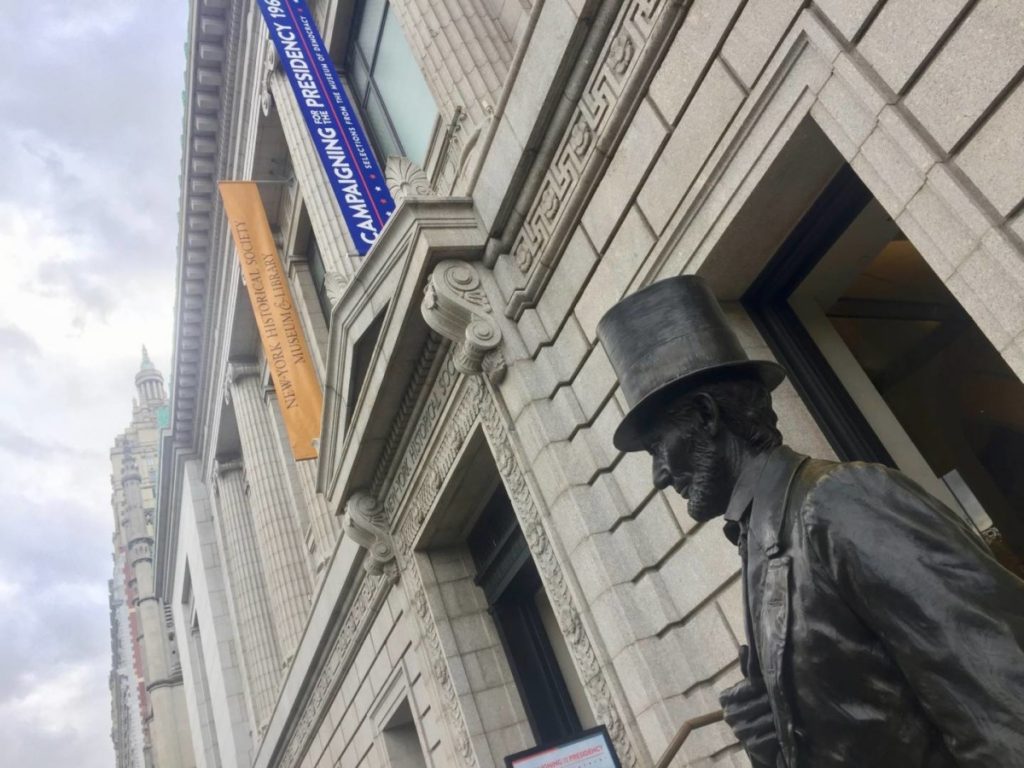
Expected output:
(880, 630)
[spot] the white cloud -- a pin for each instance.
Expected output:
(90, 120)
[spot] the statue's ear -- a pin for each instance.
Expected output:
(707, 412)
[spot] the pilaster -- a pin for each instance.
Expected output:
(261, 657)
(278, 539)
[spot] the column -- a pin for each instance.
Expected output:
(462, 50)
(322, 530)
(324, 216)
(254, 628)
(278, 539)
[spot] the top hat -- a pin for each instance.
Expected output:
(668, 338)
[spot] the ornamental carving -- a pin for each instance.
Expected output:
(335, 284)
(456, 306)
(476, 406)
(367, 525)
(640, 25)
(406, 179)
(365, 605)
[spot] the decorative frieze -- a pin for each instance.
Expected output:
(638, 29)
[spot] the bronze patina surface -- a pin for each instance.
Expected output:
(880, 630)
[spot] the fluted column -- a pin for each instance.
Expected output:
(321, 204)
(261, 657)
(278, 539)
(462, 49)
(326, 527)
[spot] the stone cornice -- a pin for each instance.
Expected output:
(213, 46)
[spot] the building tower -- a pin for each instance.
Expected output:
(150, 724)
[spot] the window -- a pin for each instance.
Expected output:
(362, 354)
(387, 84)
(401, 741)
(891, 365)
(538, 655)
(318, 273)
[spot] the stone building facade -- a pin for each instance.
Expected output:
(149, 719)
(470, 567)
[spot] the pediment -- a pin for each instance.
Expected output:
(421, 233)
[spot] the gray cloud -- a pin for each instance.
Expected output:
(90, 120)
(14, 341)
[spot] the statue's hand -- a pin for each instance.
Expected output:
(749, 714)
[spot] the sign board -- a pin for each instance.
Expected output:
(339, 138)
(284, 342)
(590, 749)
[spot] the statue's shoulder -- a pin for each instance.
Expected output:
(829, 491)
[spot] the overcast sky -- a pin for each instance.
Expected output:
(90, 125)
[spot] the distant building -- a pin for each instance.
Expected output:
(150, 723)
(469, 567)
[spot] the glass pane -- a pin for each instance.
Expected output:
(405, 93)
(319, 275)
(380, 130)
(922, 371)
(369, 26)
(358, 76)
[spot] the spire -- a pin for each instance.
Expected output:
(147, 364)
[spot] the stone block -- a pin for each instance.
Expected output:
(995, 272)
(694, 44)
(645, 676)
(628, 166)
(699, 130)
(497, 708)
(902, 35)
(706, 642)
(595, 382)
(845, 118)
(566, 354)
(473, 632)
(610, 621)
(994, 157)
(970, 71)
(654, 530)
(602, 561)
(756, 33)
(532, 332)
(847, 15)
(634, 476)
(936, 229)
(618, 266)
(890, 169)
(567, 280)
(977, 307)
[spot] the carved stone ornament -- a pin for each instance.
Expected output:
(269, 65)
(406, 179)
(367, 525)
(456, 306)
(236, 371)
(335, 283)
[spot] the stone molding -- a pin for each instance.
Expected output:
(405, 178)
(632, 46)
(235, 372)
(369, 597)
(367, 525)
(456, 306)
(476, 406)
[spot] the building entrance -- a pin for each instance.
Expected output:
(892, 366)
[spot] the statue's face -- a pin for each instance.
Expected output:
(687, 457)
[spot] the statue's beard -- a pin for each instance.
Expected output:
(710, 488)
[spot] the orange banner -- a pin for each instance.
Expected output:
(298, 391)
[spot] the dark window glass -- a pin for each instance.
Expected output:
(509, 579)
(388, 85)
(892, 366)
(318, 273)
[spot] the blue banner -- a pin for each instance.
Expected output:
(340, 141)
